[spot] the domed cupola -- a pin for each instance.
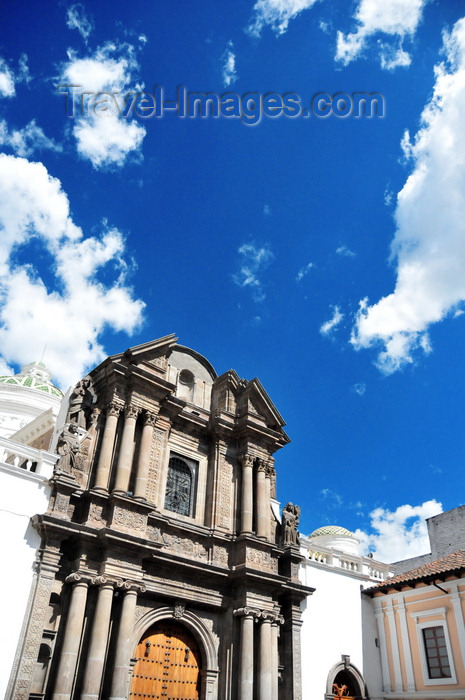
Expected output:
(336, 537)
(26, 395)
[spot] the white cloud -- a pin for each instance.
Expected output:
(254, 260)
(104, 137)
(329, 326)
(360, 388)
(229, 65)
(277, 14)
(428, 247)
(24, 142)
(303, 271)
(334, 499)
(398, 19)
(7, 80)
(399, 534)
(76, 18)
(345, 252)
(70, 312)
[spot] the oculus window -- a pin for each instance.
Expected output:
(180, 485)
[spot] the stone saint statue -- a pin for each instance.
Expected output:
(291, 515)
(80, 404)
(67, 448)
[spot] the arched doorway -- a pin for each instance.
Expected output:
(345, 681)
(345, 686)
(168, 664)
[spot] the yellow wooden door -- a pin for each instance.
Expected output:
(168, 664)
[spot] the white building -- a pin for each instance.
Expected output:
(29, 405)
(339, 638)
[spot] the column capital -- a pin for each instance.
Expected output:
(131, 586)
(246, 612)
(150, 418)
(103, 581)
(131, 411)
(113, 408)
(262, 465)
(246, 460)
(78, 577)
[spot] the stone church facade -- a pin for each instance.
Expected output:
(164, 570)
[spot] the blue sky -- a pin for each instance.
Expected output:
(325, 255)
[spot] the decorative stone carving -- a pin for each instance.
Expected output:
(153, 534)
(96, 514)
(290, 522)
(80, 404)
(220, 555)
(128, 519)
(185, 546)
(154, 469)
(226, 480)
(178, 610)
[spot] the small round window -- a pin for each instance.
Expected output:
(186, 377)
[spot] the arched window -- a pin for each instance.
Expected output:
(179, 494)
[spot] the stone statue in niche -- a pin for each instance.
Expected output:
(290, 522)
(80, 404)
(67, 448)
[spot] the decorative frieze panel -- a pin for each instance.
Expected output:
(220, 556)
(122, 518)
(225, 495)
(155, 462)
(185, 546)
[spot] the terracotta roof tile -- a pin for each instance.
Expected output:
(448, 564)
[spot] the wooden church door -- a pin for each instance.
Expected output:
(168, 664)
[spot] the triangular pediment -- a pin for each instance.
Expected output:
(259, 403)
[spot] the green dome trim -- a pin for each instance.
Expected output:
(334, 530)
(31, 379)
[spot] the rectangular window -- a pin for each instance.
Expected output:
(436, 652)
(180, 485)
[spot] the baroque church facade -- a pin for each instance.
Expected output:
(164, 569)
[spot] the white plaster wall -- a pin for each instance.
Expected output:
(21, 495)
(332, 626)
(371, 653)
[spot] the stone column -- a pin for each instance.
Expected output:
(119, 685)
(274, 657)
(126, 451)
(70, 649)
(263, 501)
(247, 494)
(246, 654)
(143, 462)
(99, 640)
(106, 451)
(264, 670)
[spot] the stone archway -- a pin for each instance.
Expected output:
(345, 681)
(190, 633)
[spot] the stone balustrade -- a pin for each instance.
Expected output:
(25, 457)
